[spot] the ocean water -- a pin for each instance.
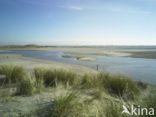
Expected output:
(139, 69)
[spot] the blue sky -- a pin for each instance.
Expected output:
(78, 22)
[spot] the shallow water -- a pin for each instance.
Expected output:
(136, 68)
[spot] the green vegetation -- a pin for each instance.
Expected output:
(142, 85)
(114, 84)
(119, 85)
(50, 77)
(18, 75)
(66, 106)
(114, 110)
(26, 87)
(13, 73)
(102, 94)
(39, 75)
(90, 81)
(149, 101)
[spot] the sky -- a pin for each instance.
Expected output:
(78, 22)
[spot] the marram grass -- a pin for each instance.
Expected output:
(51, 76)
(13, 73)
(26, 86)
(108, 91)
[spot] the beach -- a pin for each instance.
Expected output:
(88, 86)
(93, 50)
(31, 63)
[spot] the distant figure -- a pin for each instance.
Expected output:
(7, 57)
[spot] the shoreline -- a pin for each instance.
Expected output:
(80, 58)
(91, 51)
(32, 104)
(116, 54)
(31, 63)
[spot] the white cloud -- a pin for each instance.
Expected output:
(110, 8)
(73, 8)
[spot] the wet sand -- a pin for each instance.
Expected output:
(101, 51)
(145, 54)
(81, 58)
(118, 54)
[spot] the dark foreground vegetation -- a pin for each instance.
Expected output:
(88, 95)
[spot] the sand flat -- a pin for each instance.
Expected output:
(118, 54)
(81, 58)
(4, 50)
(144, 54)
(30, 63)
(101, 51)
